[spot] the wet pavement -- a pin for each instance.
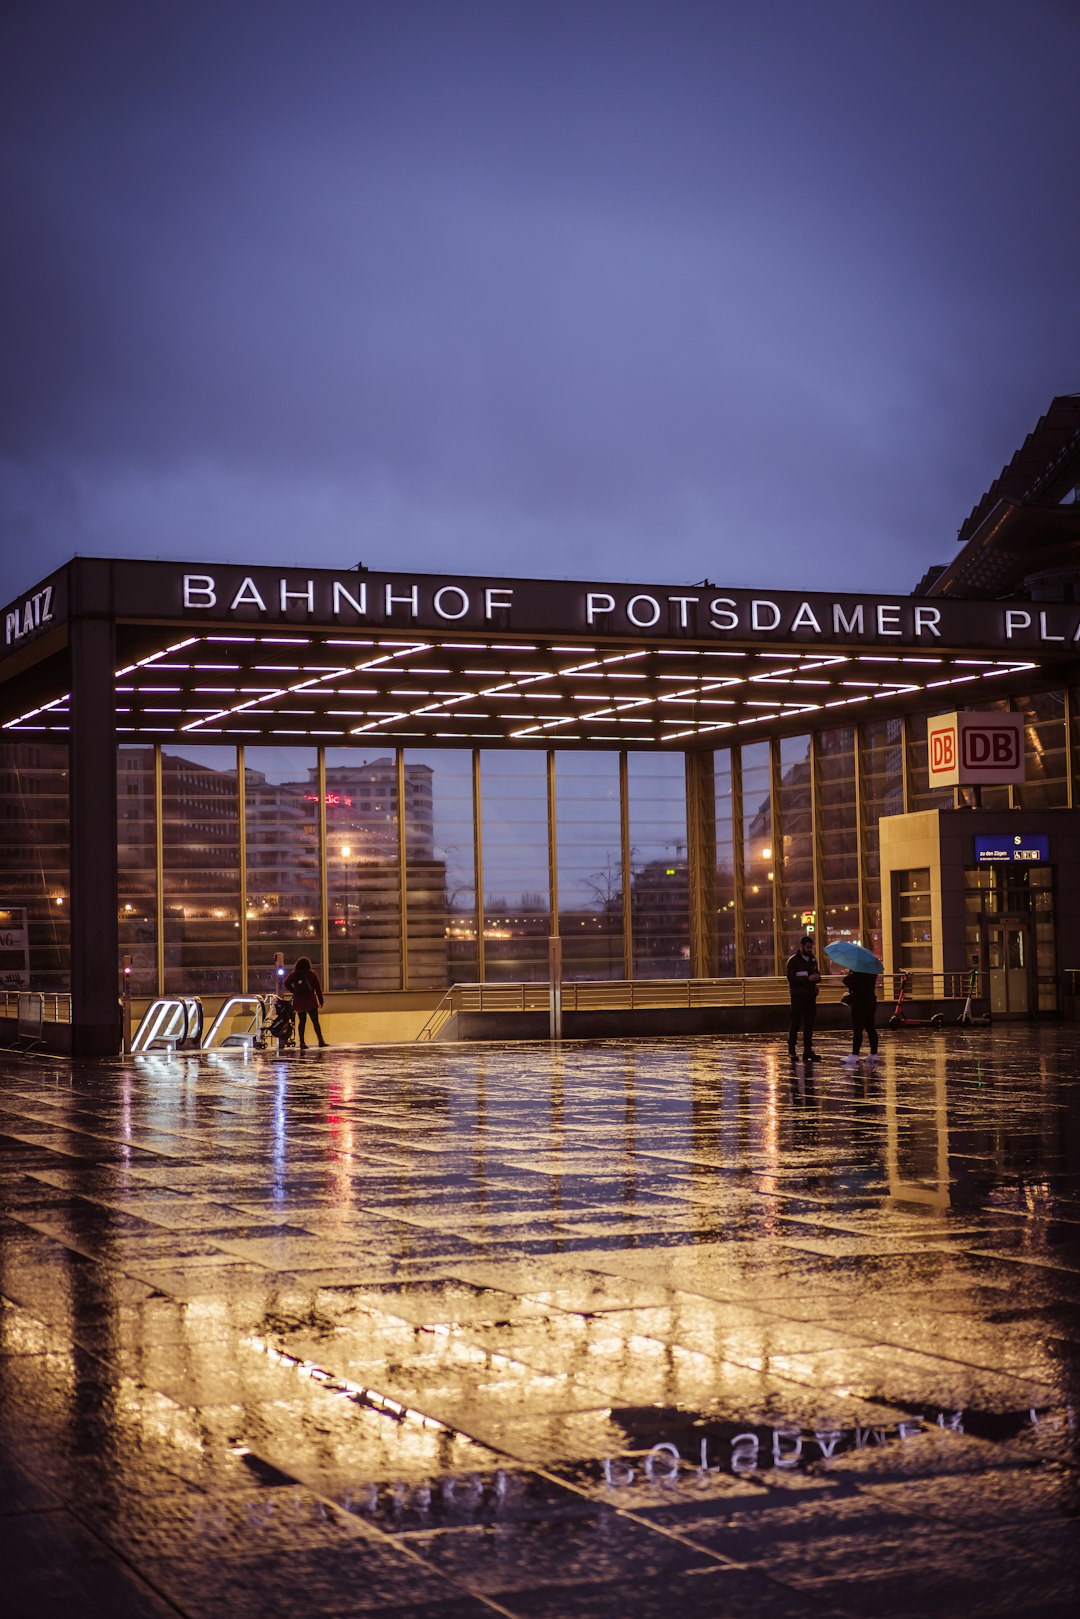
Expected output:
(622, 1328)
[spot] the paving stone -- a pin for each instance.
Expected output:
(733, 1348)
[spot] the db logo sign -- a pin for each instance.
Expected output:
(970, 750)
(995, 745)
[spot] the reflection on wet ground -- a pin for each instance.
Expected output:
(624, 1328)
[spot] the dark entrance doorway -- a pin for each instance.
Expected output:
(1011, 928)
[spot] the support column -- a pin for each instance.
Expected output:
(95, 934)
(701, 862)
(1070, 762)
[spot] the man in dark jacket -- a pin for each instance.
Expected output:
(803, 979)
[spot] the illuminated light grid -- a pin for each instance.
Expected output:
(325, 685)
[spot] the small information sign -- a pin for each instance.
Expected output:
(1015, 846)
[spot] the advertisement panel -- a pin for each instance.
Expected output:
(14, 948)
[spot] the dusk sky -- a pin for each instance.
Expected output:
(764, 293)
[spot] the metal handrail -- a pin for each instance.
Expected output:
(169, 1019)
(657, 994)
(440, 1016)
(56, 1004)
(229, 1008)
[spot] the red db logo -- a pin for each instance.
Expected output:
(942, 750)
(991, 747)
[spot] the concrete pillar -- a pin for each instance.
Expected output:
(95, 941)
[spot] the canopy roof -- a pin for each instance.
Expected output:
(223, 654)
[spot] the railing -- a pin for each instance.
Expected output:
(253, 1034)
(440, 1017)
(658, 994)
(170, 1021)
(55, 1004)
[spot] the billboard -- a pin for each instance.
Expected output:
(14, 948)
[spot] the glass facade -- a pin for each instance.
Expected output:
(136, 862)
(363, 888)
(882, 793)
(421, 868)
(200, 848)
(838, 838)
(34, 869)
(794, 859)
(724, 817)
(758, 856)
(589, 845)
(517, 904)
(281, 820)
(1046, 761)
(440, 868)
(659, 892)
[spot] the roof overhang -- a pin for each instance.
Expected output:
(209, 653)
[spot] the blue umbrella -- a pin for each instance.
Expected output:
(854, 957)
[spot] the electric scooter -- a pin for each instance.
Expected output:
(900, 1019)
(967, 1018)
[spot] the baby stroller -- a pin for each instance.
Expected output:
(282, 1024)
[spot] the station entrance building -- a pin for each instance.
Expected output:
(418, 780)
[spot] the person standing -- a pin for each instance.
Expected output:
(307, 997)
(803, 978)
(862, 988)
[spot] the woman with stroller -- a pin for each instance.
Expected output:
(307, 997)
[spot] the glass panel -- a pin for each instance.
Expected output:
(513, 819)
(34, 868)
(590, 864)
(439, 868)
(1045, 763)
(136, 859)
(883, 794)
(725, 866)
(656, 786)
(201, 864)
(363, 888)
(837, 834)
(796, 855)
(284, 910)
(758, 859)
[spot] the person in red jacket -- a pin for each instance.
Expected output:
(307, 997)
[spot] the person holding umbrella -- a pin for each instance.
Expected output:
(860, 981)
(803, 978)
